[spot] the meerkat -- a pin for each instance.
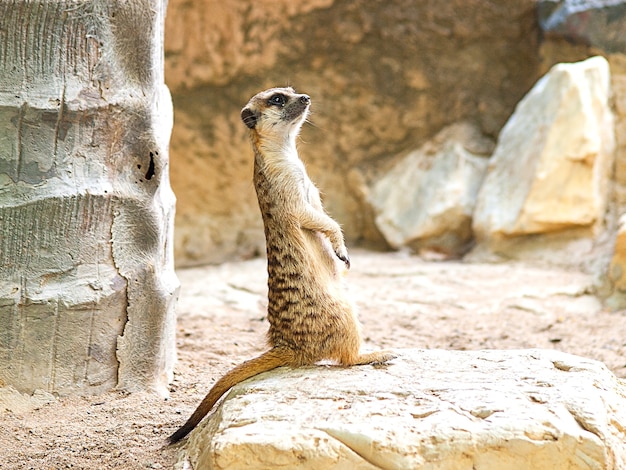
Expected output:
(311, 317)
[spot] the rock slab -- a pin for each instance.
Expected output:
(428, 409)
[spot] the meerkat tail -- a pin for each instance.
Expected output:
(376, 357)
(269, 360)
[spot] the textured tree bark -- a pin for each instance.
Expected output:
(87, 284)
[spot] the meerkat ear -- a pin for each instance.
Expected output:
(249, 117)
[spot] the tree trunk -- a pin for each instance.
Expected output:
(87, 284)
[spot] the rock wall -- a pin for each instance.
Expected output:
(385, 77)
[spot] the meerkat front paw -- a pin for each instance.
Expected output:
(342, 254)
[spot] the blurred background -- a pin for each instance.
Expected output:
(388, 79)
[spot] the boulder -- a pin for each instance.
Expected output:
(612, 285)
(428, 409)
(597, 23)
(427, 199)
(550, 171)
(16, 402)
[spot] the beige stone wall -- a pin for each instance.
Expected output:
(385, 77)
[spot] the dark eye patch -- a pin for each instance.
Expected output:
(277, 100)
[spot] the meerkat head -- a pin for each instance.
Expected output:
(277, 112)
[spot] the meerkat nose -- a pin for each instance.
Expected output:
(305, 99)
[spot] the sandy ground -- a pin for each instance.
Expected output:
(404, 302)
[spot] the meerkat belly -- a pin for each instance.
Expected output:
(308, 307)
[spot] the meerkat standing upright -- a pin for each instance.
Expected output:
(310, 314)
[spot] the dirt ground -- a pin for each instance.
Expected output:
(404, 302)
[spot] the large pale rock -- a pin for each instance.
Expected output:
(554, 51)
(427, 199)
(384, 78)
(435, 410)
(550, 171)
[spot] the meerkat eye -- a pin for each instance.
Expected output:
(277, 100)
